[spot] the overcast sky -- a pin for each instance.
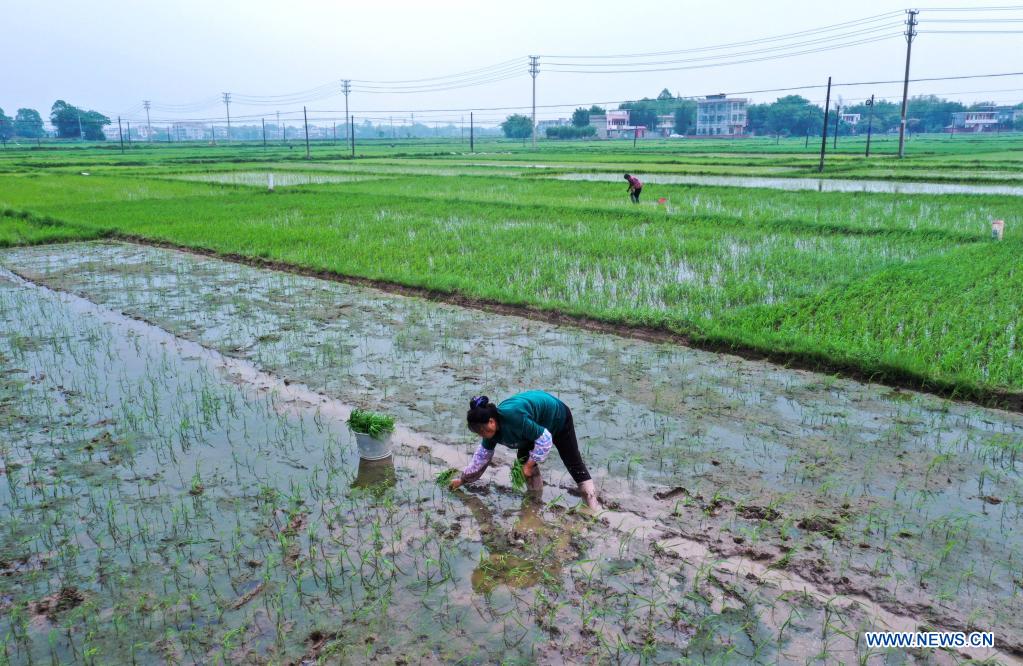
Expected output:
(110, 55)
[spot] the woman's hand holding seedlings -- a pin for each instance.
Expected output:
(455, 484)
(529, 468)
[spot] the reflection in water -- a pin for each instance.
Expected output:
(375, 476)
(519, 557)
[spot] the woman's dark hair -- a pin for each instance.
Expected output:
(627, 176)
(481, 410)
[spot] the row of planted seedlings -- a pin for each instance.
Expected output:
(154, 509)
(706, 454)
(687, 429)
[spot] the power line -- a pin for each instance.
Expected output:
(734, 62)
(790, 35)
(782, 47)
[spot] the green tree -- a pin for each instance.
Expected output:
(794, 115)
(517, 126)
(72, 122)
(685, 116)
(756, 118)
(885, 116)
(93, 123)
(28, 123)
(928, 113)
(597, 110)
(64, 117)
(6, 126)
(580, 117)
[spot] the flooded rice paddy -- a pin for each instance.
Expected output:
(816, 184)
(262, 178)
(179, 485)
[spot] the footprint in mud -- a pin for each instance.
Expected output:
(51, 605)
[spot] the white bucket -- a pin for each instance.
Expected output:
(270, 182)
(371, 448)
(997, 229)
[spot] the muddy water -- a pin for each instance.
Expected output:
(817, 184)
(906, 499)
(160, 505)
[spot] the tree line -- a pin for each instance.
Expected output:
(791, 115)
(70, 122)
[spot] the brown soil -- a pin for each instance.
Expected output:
(53, 604)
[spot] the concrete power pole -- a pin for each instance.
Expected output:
(149, 126)
(870, 123)
(910, 34)
(227, 105)
(346, 88)
(534, 69)
(824, 129)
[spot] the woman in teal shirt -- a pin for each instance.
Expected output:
(531, 423)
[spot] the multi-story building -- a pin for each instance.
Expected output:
(986, 118)
(542, 125)
(614, 124)
(717, 115)
(975, 121)
(666, 125)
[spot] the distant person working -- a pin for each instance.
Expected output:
(635, 187)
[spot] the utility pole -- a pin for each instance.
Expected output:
(910, 34)
(870, 122)
(129, 132)
(352, 121)
(334, 134)
(119, 134)
(838, 119)
(149, 125)
(227, 105)
(806, 143)
(81, 132)
(305, 120)
(346, 88)
(263, 121)
(281, 136)
(472, 143)
(534, 69)
(824, 131)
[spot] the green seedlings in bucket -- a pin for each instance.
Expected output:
(444, 478)
(370, 423)
(518, 477)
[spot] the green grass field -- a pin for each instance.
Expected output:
(901, 288)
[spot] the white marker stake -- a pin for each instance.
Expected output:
(270, 182)
(997, 229)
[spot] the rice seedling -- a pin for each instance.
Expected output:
(518, 477)
(281, 542)
(371, 423)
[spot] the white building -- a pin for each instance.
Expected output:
(717, 115)
(615, 124)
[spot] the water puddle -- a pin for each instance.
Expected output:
(262, 178)
(895, 499)
(816, 184)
